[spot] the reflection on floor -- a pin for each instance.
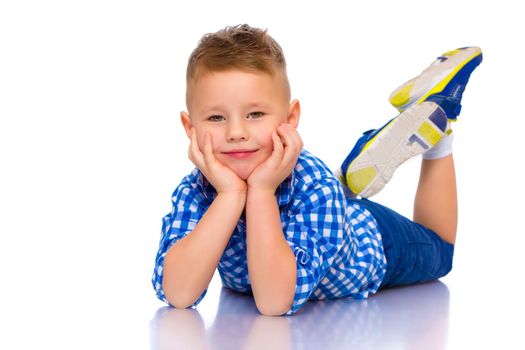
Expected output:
(414, 317)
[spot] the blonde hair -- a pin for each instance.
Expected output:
(238, 47)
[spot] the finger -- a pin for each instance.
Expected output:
(208, 150)
(195, 153)
(293, 144)
(296, 137)
(278, 147)
(281, 132)
(285, 130)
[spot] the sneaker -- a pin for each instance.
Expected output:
(377, 154)
(442, 82)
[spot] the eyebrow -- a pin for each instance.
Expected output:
(254, 104)
(208, 108)
(247, 106)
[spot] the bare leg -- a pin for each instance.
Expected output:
(435, 205)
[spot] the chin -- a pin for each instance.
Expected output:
(244, 175)
(244, 169)
(242, 172)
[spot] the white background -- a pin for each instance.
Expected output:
(91, 147)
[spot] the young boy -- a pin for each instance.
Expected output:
(272, 217)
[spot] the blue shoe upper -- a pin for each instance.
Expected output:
(450, 98)
(361, 142)
(367, 135)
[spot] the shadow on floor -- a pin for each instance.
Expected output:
(414, 317)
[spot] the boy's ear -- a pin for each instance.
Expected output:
(186, 123)
(294, 113)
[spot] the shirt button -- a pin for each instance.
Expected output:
(302, 256)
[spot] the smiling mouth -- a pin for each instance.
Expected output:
(240, 154)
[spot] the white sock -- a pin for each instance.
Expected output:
(442, 149)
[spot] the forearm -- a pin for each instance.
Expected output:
(271, 263)
(190, 263)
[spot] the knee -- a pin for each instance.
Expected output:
(447, 261)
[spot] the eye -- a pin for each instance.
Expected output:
(215, 118)
(255, 115)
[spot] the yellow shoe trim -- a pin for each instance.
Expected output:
(450, 53)
(365, 147)
(439, 87)
(402, 96)
(360, 179)
(429, 133)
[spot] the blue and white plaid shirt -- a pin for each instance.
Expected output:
(336, 243)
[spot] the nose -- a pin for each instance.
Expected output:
(236, 131)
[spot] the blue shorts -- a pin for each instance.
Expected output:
(414, 253)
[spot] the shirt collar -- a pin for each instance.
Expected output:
(283, 192)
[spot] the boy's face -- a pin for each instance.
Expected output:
(239, 110)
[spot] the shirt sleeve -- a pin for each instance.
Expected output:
(314, 232)
(186, 212)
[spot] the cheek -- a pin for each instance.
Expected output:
(201, 139)
(266, 143)
(266, 139)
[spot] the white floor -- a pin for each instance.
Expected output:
(427, 316)
(404, 318)
(91, 149)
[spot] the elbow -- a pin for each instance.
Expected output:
(273, 308)
(177, 298)
(179, 302)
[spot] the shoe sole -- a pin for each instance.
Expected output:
(433, 79)
(411, 133)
